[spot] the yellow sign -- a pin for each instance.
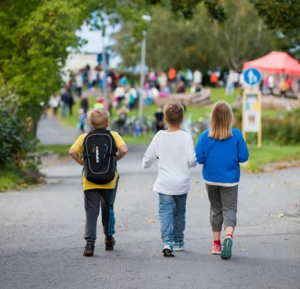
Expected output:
(252, 114)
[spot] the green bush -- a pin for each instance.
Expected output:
(283, 131)
(16, 139)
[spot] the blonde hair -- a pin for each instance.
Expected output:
(221, 121)
(98, 118)
(173, 112)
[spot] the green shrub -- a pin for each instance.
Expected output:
(283, 131)
(16, 139)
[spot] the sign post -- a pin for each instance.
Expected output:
(251, 106)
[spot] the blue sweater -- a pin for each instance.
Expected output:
(221, 158)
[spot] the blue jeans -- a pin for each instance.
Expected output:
(172, 217)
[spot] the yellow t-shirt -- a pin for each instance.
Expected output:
(78, 147)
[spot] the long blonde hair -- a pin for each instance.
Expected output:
(221, 121)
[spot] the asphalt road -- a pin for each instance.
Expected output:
(41, 235)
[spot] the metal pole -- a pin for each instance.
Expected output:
(141, 100)
(104, 69)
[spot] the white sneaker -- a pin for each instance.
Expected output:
(178, 246)
(168, 250)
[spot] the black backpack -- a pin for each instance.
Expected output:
(99, 154)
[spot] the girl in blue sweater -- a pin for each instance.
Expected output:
(220, 149)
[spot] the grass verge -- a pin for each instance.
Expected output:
(270, 154)
(9, 180)
(60, 150)
(16, 179)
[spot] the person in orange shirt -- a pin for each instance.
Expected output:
(289, 86)
(172, 78)
(172, 74)
(214, 79)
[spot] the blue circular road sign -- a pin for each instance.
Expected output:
(252, 76)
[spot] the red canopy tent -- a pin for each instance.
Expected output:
(277, 62)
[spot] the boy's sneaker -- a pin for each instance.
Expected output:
(216, 249)
(109, 243)
(178, 246)
(226, 250)
(89, 249)
(168, 250)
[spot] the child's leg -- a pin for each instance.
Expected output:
(216, 212)
(107, 210)
(229, 202)
(166, 211)
(179, 218)
(216, 216)
(92, 206)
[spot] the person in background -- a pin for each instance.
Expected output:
(79, 84)
(162, 80)
(71, 102)
(197, 78)
(152, 77)
(214, 79)
(122, 117)
(271, 83)
(123, 80)
(230, 83)
(82, 121)
(132, 97)
(120, 94)
(265, 86)
(159, 119)
(236, 77)
(283, 87)
(54, 103)
(181, 75)
(188, 77)
(65, 100)
(289, 86)
(172, 77)
(180, 87)
(99, 103)
(84, 104)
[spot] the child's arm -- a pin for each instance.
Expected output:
(200, 151)
(243, 152)
(75, 156)
(122, 151)
(150, 155)
(191, 156)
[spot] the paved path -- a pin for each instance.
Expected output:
(52, 132)
(41, 235)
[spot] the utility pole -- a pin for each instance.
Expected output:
(104, 66)
(141, 100)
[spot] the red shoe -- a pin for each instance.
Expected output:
(216, 249)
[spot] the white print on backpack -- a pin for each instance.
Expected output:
(97, 154)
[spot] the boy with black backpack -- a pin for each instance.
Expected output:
(98, 151)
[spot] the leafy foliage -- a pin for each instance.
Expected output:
(199, 42)
(284, 131)
(15, 135)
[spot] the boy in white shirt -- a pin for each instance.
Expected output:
(175, 154)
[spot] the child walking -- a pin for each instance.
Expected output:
(220, 149)
(173, 149)
(99, 194)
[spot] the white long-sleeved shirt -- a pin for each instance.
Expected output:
(175, 154)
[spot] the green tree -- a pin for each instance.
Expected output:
(37, 35)
(199, 42)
